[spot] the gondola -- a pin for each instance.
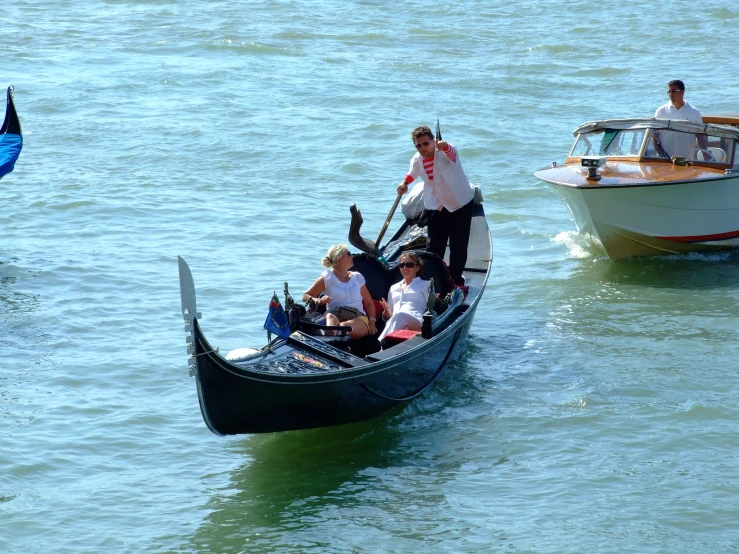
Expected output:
(314, 378)
(11, 138)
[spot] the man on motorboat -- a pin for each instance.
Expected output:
(679, 144)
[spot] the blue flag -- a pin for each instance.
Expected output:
(277, 322)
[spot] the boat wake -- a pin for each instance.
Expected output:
(714, 257)
(579, 246)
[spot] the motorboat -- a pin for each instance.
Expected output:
(647, 186)
(316, 376)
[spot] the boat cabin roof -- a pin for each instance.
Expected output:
(719, 130)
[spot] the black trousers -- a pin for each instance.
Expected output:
(453, 227)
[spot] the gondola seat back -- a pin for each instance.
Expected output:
(375, 274)
(434, 267)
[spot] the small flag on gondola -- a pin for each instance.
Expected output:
(277, 322)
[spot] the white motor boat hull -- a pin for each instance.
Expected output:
(647, 220)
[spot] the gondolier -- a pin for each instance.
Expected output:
(447, 196)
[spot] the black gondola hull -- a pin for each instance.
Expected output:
(304, 382)
(236, 401)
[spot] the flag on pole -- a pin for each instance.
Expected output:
(277, 322)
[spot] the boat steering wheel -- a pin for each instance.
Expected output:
(707, 155)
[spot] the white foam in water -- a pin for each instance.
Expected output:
(579, 246)
(715, 257)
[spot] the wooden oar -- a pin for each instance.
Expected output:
(389, 217)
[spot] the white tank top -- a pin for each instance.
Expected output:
(344, 294)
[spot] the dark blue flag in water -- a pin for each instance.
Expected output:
(277, 322)
(11, 139)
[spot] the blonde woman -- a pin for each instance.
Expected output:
(408, 298)
(345, 294)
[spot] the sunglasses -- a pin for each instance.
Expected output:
(348, 254)
(409, 265)
(673, 91)
(423, 144)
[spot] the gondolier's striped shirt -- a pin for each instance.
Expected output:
(428, 163)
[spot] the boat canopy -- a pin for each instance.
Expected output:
(723, 131)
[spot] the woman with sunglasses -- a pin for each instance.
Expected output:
(408, 298)
(345, 294)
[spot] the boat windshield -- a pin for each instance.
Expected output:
(609, 142)
(656, 144)
(694, 147)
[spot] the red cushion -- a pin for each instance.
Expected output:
(378, 308)
(401, 335)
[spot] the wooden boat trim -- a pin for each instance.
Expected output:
(660, 174)
(727, 119)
